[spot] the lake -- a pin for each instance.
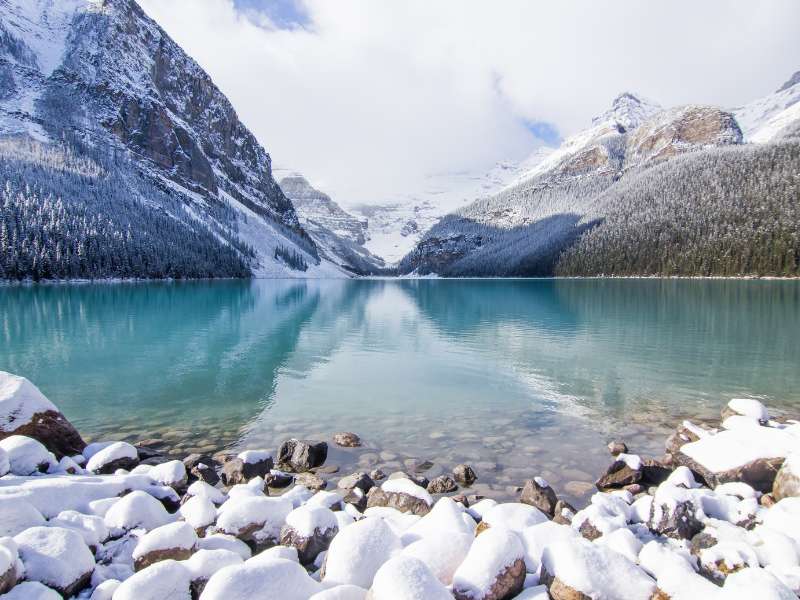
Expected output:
(517, 377)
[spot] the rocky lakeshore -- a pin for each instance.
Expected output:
(717, 515)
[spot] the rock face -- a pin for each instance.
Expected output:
(24, 410)
(302, 455)
(339, 235)
(679, 130)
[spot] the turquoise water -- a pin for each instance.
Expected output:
(524, 377)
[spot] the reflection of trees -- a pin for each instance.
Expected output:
(172, 348)
(621, 347)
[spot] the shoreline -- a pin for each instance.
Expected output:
(657, 527)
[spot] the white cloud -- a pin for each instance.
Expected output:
(373, 95)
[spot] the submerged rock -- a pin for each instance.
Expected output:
(347, 439)
(464, 475)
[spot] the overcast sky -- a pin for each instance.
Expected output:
(366, 97)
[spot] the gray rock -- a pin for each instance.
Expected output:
(347, 439)
(302, 455)
(400, 501)
(677, 521)
(357, 480)
(443, 484)
(311, 481)
(617, 476)
(464, 475)
(542, 497)
(617, 448)
(308, 547)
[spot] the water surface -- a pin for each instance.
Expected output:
(520, 377)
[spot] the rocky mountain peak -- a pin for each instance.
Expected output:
(628, 111)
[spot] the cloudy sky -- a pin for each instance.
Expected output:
(368, 97)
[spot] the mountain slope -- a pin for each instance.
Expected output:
(340, 237)
(101, 80)
(773, 117)
(524, 229)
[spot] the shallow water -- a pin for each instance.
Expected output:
(517, 377)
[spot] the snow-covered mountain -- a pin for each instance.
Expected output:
(773, 117)
(340, 237)
(397, 224)
(101, 82)
(524, 228)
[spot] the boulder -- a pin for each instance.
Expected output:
(443, 484)
(401, 494)
(134, 510)
(24, 410)
(204, 563)
(56, 557)
(301, 455)
(346, 439)
(407, 578)
(464, 475)
(358, 551)
(358, 480)
(279, 479)
(278, 578)
(615, 447)
(575, 569)
(199, 512)
(233, 472)
(618, 475)
(494, 568)
(787, 480)
(159, 581)
(673, 513)
(312, 481)
(176, 541)
(25, 455)
(171, 473)
(310, 531)
(117, 455)
(537, 492)
(254, 519)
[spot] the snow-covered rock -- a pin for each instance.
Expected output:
(105, 591)
(309, 529)
(204, 563)
(5, 464)
(137, 509)
(26, 455)
(407, 578)
(202, 489)
(274, 578)
(31, 590)
(358, 551)
(341, 592)
(787, 481)
(91, 527)
(494, 567)
(513, 516)
(175, 541)
(596, 571)
(56, 557)
(442, 552)
(256, 518)
(537, 537)
(223, 541)
(118, 455)
(171, 473)
(24, 410)
(165, 579)
(199, 512)
(402, 494)
(11, 568)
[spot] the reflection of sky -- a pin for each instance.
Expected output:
(285, 14)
